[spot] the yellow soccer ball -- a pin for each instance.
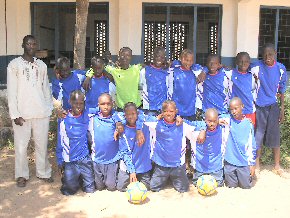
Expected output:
(136, 192)
(206, 185)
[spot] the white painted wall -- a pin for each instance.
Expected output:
(248, 23)
(240, 23)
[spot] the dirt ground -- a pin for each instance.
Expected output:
(270, 197)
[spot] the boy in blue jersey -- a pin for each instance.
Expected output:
(74, 162)
(213, 92)
(185, 85)
(65, 83)
(101, 82)
(154, 83)
(135, 164)
(272, 79)
(168, 145)
(240, 152)
(105, 149)
(207, 157)
(242, 84)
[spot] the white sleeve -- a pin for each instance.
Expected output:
(112, 91)
(12, 89)
(170, 83)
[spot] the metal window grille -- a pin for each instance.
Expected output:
(100, 37)
(213, 38)
(275, 28)
(155, 35)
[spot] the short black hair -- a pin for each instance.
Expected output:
(75, 94)
(241, 54)
(96, 59)
(210, 56)
(186, 52)
(124, 49)
(158, 50)
(130, 104)
(27, 37)
(166, 103)
(268, 45)
(61, 62)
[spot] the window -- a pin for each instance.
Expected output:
(53, 25)
(274, 28)
(192, 27)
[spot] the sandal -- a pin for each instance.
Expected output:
(48, 180)
(21, 182)
(280, 172)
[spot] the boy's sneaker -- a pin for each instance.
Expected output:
(48, 180)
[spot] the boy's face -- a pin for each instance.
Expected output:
(236, 108)
(213, 64)
(169, 113)
(29, 47)
(187, 61)
(212, 121)
(243, 63)
(105, 105)
(98, 67)
(159, 59)
(269, 55)
(131, 115)
(77, 105)
(64, 71)
(125, 57)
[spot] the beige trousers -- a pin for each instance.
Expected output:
(22, 135)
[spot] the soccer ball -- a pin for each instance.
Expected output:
(206, 185)
(136, 192)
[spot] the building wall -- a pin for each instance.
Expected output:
(240, 24)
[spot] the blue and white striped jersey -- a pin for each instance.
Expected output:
(61, 88)
(208, 157)
(271, 80)
(73, 143)
(98, 86)
(184, 88)
(154, 83)
(135, 159)
(244, 86)
(214, 91)
(168, 141)
(105, 149)
(241, 144)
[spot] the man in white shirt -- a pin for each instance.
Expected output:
(30, 106)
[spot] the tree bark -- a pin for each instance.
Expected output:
(82, 7)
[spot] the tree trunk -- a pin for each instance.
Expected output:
(82, 7)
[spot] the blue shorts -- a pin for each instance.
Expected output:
(105, 175)
(237, 176)
(268, 129)
(124, 179)
(76, 174)
(177, 175)
(151, 112)
(218, 175)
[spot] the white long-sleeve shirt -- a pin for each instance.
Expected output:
(29, 95)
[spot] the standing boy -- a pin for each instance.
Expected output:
(272, 78)
(214, 90)
(30, 105)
